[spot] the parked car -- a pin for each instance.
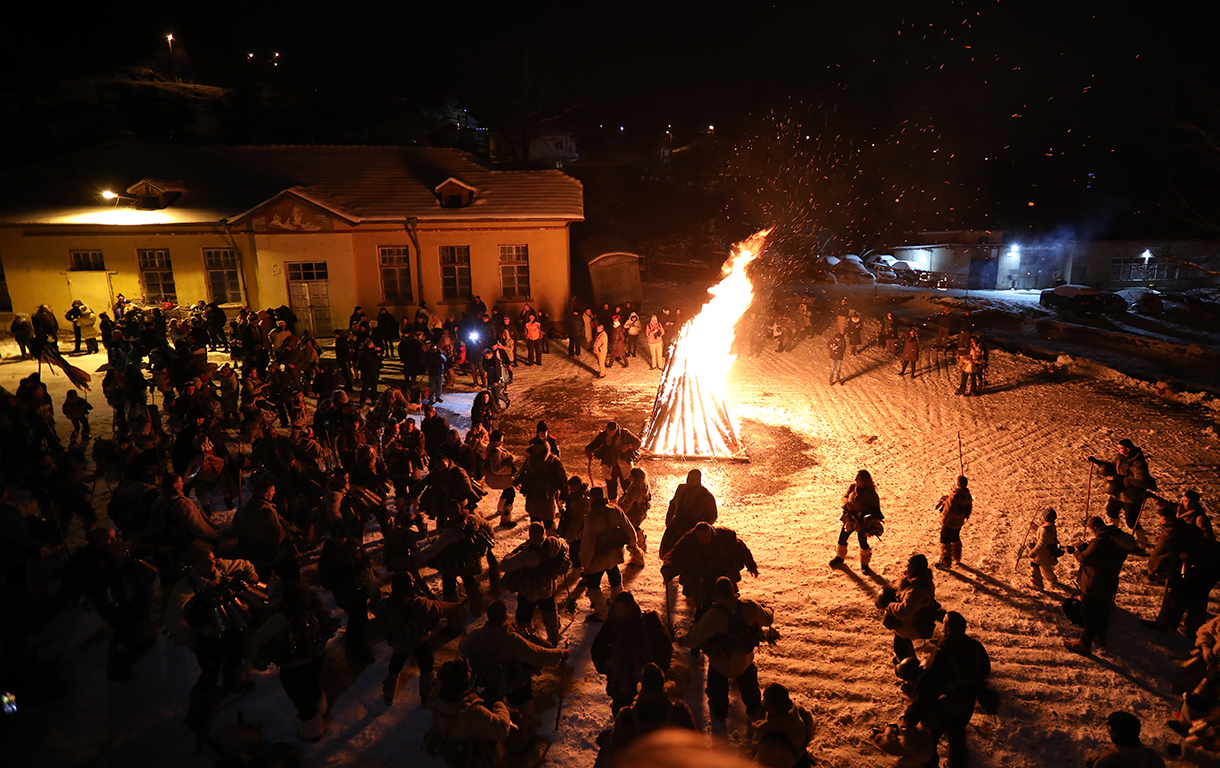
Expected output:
(1081, 299)
(905, 274)
(851, 271)
(884, 273)
(1144, 301)
(1112, 302)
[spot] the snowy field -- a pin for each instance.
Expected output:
(1023, 446)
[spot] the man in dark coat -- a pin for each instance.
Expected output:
(1101, 561)
(955, 509)
(692, 504)
(46, 328)
(1130, 482)
(435, 428)
(948, 689)
(616, 448)
(629, 640)
(1184, 559)
(703, 555)
(344, 568)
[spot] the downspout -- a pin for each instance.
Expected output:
(241, 269)
(412, 223)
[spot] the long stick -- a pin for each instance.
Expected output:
(1025, 541)
(563, 679)
(960, 464)
(669, 619)
(1088, 495)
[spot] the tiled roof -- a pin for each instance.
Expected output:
(359, 183)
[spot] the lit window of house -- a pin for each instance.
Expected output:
(157, 276)
(221, 266)
(515, 271)
(395, 274)
(455, 272)
(88, 261)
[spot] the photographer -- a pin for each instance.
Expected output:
(1130, 482)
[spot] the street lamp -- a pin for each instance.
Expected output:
(170, 39)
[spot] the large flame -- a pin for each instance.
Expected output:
(689, 417)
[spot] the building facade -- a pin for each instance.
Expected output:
(319, 229)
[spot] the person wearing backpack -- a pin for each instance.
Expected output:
(532, 570)
(294, 640)
(861, 516)
(628, 641)
(408, 619)
(542, 480)
(948, 689)
(728, 633)
(467, 731)
(701, 557)
(1045, 552)
(607, 530)
(955, 509)
(781, 738)
(344, 569)
(1130, 482)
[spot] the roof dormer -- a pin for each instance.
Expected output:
(454, 194)
(155, 194)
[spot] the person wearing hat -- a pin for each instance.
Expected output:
(1045, 552)
(572, 521)
(616, 448)
(782, 736)
(948, 689)
(1190, 509)
(691, 504)
(1101, 563)
(1130, 483)
(701, 557)
(650, 711)
(728, 633)
(466, 730)
(601, 345)
(1184, 561)
(1126, 749)
(607, 530)
(955, 508)
(907, 614)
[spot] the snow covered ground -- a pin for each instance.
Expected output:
(1023, 446)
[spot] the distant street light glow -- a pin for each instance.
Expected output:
(170, 39)
(109, 195)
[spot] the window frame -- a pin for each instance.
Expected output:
(92, 265)
(401, 265)
(455, 272)
(314, 273)
(167, 268)
(235, 269)
(514, 258)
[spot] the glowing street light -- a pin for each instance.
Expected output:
(1147, 254)
(170, 39)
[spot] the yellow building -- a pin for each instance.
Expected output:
(321, 229)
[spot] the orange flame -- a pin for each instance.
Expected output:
(689, 417)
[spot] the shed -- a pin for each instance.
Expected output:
(613, 270)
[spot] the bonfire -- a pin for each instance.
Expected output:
(690, 418)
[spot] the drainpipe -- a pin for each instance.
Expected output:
(241, 269)
(412, 223)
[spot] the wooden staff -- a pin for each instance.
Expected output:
(563, 679)
(1088, 495)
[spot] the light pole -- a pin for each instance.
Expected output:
(170, 39)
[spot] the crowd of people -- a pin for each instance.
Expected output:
(314, 453)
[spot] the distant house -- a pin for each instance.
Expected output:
(614, 270)
(321, 229)
(977, 260)
(554, 149)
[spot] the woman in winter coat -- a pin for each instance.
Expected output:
(501, 466)
(607, 530)
(633, 327)
(655, 334)
(635, 501)
(855, 332)
(618, 344)
(482, 412)
(862, 516)
(1045, 552)
(910, 353)
(916, 592)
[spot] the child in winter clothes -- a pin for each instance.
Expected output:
(1045, 552)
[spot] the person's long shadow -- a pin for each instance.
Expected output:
(997, 589)
(875, 364)
(859, 581)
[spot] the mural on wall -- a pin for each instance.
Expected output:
(291, 215)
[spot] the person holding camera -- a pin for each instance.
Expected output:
(1045, 551)
(1129, 484)
(862, 516)
(1101, 562)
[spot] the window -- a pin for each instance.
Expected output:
(157, 274)
(395, 263)
(307, 270)
(88, 261)
(455, 272)
(221, 264)
(515, 271)
(1141, 270)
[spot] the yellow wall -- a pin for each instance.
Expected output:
(36, 260)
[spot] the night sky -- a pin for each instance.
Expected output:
(935, 114)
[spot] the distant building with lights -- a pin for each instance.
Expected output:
(982, 260)
(320, 229)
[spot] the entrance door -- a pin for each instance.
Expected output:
(91, 287)
(309, 297)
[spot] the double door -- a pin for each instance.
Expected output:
(309, 297)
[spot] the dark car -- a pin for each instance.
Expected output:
(1112, 302)
(1081, 299)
